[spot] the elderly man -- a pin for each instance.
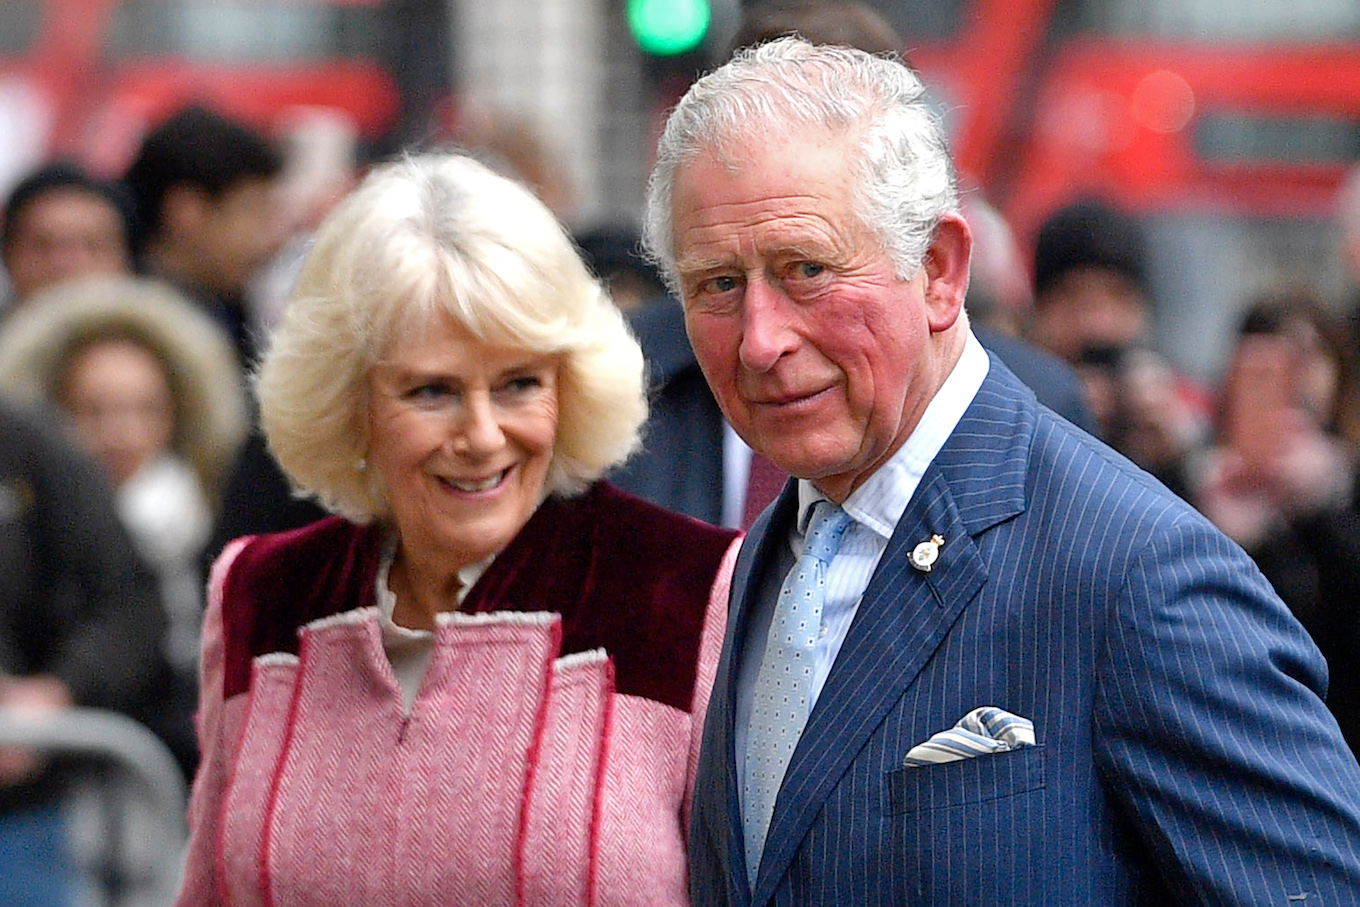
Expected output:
(974, 656)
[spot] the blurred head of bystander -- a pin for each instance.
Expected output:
(61, 223)
(1090, 283)
(1276, 454)
(614, 254)
(208, 202)
(141, 373)
(849, 24)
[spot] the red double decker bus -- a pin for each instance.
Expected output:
(1226, 125)
(85, 78)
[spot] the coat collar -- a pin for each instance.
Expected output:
(660, 330)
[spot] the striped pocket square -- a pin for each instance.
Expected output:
(982, 731)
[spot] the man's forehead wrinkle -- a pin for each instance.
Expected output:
(755, 216)
(737, 207)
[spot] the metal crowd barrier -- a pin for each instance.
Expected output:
(123, 751)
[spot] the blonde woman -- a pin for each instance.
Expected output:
(483, 680)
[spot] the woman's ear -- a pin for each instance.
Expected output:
(946, 271)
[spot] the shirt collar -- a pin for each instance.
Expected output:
(387, 601)
(880, 502)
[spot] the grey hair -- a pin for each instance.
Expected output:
(428, 236)
(902, 173)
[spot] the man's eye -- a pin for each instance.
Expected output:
(723, 284)
(808, 269)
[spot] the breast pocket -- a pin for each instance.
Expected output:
(966, 781)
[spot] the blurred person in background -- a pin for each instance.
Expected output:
(1281, 483)
(845, 22)
(1000, 299)
(319, 168)
(614, 254)
(208, 209)
(1348, 223)
(319, 150)
(512, 146)
(258, 498)
(1093, 309)
(1091, 289)
(60, 223)
(80, 624)
(151, 387)
(483, 681)
(999, 292)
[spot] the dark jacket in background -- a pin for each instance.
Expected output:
(75, 600)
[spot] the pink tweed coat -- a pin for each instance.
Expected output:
(549, 754)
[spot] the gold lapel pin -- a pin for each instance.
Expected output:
(925, 554)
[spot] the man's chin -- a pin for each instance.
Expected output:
(803, 462)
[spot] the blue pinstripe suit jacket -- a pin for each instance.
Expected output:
(1185, 755)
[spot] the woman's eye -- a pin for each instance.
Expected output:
(524, 383)
(429, 392)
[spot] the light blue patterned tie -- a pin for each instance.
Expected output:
(779, 701)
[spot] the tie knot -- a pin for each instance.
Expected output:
(825, 529)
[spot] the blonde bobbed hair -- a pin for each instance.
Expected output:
(427, 236)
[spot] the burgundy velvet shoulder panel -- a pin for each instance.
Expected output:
(281, 581)
(625, 576)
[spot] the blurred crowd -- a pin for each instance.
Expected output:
(136, 307)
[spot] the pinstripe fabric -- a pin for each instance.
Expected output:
(878, 504)
(1183, 755)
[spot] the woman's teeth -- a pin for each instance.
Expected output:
(476, 487)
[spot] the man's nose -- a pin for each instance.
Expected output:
(767, 332)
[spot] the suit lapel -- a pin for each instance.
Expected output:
(976, 481)
(759, 549)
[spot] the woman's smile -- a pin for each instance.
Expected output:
(462, 433)
(477, 486)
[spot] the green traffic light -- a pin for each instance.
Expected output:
(668, 27)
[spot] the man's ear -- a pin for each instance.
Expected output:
(946, 271)
(183, 210)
